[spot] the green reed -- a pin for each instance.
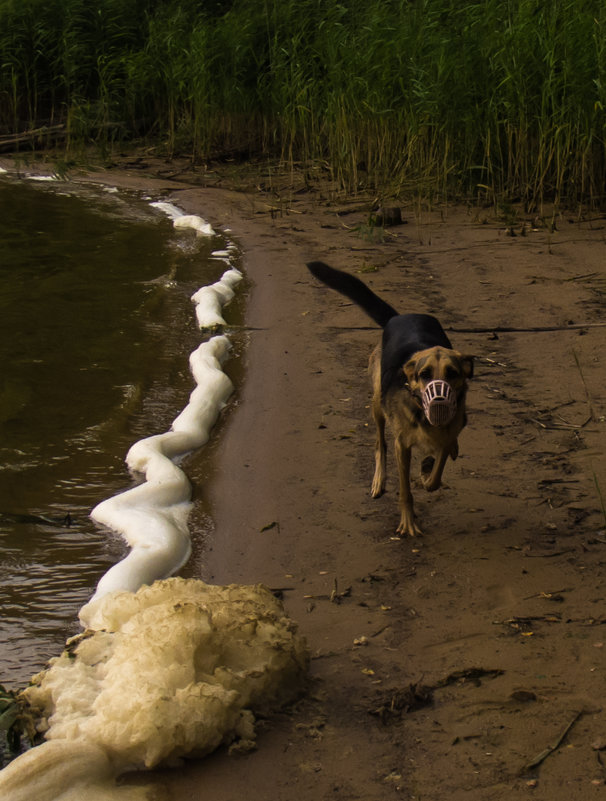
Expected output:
(487, 97)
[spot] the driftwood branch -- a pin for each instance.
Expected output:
(7, 141)
(540, 758)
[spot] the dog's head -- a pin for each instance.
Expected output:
(438, 376)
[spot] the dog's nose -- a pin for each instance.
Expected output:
(439, 402)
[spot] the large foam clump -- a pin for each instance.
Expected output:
(179, 668)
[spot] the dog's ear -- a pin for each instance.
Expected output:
(409, 370)
(467, 365)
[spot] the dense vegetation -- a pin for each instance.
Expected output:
(446, 95)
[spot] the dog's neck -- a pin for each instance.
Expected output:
(419, 413)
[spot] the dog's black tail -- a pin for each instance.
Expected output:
(354, 289)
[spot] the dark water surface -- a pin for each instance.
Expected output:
(96, 326)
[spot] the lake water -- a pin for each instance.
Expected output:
(96, 327)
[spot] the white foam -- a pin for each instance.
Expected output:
(171, 211)
(210, 300)
(177, 668)
(182, 220)
(198, 224)
(152, 517)
(42, 177)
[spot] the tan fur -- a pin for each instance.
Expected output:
(401, 409)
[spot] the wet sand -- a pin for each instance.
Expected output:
(441, 665)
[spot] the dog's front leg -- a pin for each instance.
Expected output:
(407, 516)
(432, 469)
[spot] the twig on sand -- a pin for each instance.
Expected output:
(540, 758)
(600, 496)
(554, 595)
(564, 425)
(592, 415)
(524, 625)
(335, 596)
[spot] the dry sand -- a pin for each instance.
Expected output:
(442, 666)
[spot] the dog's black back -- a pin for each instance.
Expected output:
(403, 334)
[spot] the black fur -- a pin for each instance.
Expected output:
(403, 334)
(355, 290)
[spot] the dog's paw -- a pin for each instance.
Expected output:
(378, 487)
(431, 483)
(408, 527)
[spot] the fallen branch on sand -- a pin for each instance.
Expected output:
(8, 140)
(540, 758)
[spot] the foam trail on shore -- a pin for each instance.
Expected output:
(152, 517)
(210, 300)
(182, 220)
(42, 178)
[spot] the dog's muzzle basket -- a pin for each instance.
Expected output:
(439, 402)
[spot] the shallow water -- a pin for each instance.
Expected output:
(96, 327)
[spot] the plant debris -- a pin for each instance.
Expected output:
(395, 703)
(15, 722)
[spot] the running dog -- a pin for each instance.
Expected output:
(419, 386)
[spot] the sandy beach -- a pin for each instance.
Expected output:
(467, 663)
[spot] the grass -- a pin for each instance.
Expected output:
(484, 98)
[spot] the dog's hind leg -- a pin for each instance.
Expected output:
(374, 369)
(378, 482)
(407, 516)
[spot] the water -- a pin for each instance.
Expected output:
(96, 326)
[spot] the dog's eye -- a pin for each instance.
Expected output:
(451, 373)
(426, 374)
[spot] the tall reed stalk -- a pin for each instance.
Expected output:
(506, 97)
